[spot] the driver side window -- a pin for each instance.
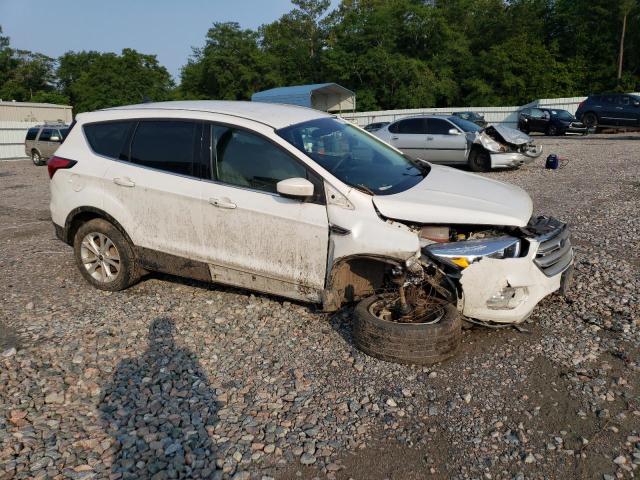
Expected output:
(247, 160)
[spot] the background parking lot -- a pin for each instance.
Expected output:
(96, 384)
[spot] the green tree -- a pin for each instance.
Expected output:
(294, 43)
(231, 66)
(100, 80)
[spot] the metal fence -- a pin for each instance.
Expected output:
(17, 117)
(497, 115)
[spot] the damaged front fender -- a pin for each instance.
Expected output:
(508, 147)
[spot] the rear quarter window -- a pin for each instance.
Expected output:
(32, 133)
(110, 139)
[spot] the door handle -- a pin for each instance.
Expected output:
(124, 182)
(222, 203)
(429, 138)
(394, 138)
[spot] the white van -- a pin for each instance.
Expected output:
(301, 204)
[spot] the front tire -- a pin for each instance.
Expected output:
(104, 256)
(479, 160)
(408, 343)
(36, 159)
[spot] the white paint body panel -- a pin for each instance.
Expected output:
(488, 276)
(278, 238)
(450, 196)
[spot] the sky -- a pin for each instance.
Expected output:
(166, 28)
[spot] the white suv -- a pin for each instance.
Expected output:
(301, 204)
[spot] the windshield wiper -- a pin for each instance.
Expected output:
(363, 188)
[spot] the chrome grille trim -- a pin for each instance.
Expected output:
(555, 253)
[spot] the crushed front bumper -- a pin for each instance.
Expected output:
(525, 280)
(514, 159)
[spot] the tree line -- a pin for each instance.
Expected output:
(392, 53)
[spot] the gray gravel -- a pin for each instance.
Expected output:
(179, 379)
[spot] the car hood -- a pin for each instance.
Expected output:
(450, 196)
(511, 135)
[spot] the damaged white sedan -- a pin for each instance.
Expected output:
(301, 204)
(455, 141)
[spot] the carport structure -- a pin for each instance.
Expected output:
(328, 97)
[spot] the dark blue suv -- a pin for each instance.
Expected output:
(610, 110)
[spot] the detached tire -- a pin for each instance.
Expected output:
(408, 343)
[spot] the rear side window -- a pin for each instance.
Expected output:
(167, 145)
(436, 126)
(32, 133)
(45, 135)
(247, 160)
(109, 138)
(412, 126)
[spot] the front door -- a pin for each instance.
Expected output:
(628, 112)
(253, 237)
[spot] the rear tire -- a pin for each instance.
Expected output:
(408, 343)
(590, 119)
(551, 131)
(36, 159)
(479, 160)
(104, 256)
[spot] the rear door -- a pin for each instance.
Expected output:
(410, 136)
(252, 236)
(442, 146)
(155, 191)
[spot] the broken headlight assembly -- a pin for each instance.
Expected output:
(464, 253)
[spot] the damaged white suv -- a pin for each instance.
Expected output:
(301, 204)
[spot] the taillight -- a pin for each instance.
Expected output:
(56, 163)
(580, 105)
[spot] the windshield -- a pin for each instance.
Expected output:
(465, 125)
(562, 114)
(354, 156)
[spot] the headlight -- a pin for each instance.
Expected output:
(462, 254)
(491, 145)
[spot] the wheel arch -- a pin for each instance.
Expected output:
(81, 215)
(355, 277)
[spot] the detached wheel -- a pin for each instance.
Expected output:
(104, 256)
(479, 160)
(429, 335)
(36, 159)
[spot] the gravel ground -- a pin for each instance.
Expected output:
(179, 379)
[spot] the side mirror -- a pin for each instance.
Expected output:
(295, 187)
(54, 138)
(454, 131)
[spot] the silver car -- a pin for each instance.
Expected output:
(453, 140)
(42, 141)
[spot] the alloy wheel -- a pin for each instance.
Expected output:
(100, 257)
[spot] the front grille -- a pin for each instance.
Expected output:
(554, 252)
